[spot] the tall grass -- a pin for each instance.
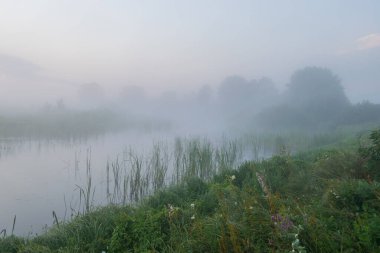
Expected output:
(317, 203)
(87, 192)
(138, 176)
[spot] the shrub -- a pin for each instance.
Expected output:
(10, 244)
(371, 154)
(143, 231)
(355, 195)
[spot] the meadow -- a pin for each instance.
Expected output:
(203, 198)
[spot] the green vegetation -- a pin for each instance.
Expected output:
(61, 123)
(315, 101)
(136, 176)
(325, 200)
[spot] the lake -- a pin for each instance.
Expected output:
(40, 176)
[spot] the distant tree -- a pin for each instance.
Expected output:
(91, 94)
(204, 95)
(132, 94)
(232, 86)
(318, 92)
(314, 100)
(237, 95)
(265, 92)
(284, 117)
(362, 112)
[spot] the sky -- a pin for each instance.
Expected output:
(48, 48)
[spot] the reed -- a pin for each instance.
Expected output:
(159, 165)
(4, 232)
(55, 218)
(137, 176)
(228, 155)
(13, 225)
(87, 192)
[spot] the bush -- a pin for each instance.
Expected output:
(355, 195)
(371, 155)
(10, 244)
(143, 231)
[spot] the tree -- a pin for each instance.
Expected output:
(237, 95)
(133, 95)
(91, 94)
(318, 92)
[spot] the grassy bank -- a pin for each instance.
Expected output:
(62, 123)
(326, 200)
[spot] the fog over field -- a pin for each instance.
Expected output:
(93, 91)
(49, 49)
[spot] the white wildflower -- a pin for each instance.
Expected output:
(192, 205)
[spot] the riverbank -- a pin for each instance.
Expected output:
(324, 200)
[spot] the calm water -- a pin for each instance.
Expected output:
(38, 177)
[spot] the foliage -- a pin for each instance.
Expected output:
(315, 100)
(10, 244)
(60, 123)
(314, 202)
(371, 154)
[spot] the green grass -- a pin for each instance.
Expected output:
(66, 124)
(324, 200)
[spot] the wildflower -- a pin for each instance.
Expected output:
(233, 177)
(192, 205)
(193, 217)
(172, 210)
(250, 207)
(295, 243)
(284, 223)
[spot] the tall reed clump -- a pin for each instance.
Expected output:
(193, 158)
(228, 155)
(255, 145)
(117, 187)
(137, 176)
(179, 164)
(159, 165)
(128, 181)
(87, 192)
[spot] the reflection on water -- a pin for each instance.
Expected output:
(42, 176)
(39, 176)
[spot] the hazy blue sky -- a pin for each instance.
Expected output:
(50, 46)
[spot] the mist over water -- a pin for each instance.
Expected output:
(93, 89)
(48, 154)
(41, 176)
